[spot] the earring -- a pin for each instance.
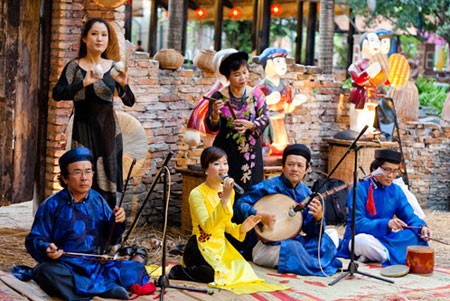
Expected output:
(206, 173)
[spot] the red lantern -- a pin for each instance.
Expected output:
(200, 13)
(235, 13)
(275, 9)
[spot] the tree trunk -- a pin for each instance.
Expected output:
(326, 31)
(175, 28)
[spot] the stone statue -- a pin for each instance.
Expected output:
(279, 97)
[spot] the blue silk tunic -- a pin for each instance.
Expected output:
(389, 201)
(297, 255)
(82, 227)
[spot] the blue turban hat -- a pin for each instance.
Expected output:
(296, 149)
(270, 53)
(388, 155)
(74, 155)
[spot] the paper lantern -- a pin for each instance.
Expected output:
(235, 13)
(399, 70)
(200, 13)
(275, 9)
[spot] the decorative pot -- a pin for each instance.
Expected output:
(204, 60)
(169, 59)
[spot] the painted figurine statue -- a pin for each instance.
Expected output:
(279, 97)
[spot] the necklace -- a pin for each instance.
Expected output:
(237, 102)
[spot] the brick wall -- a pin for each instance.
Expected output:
(165, 99)
(427, 148)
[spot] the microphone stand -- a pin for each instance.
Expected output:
(353, 266)
(163, 280)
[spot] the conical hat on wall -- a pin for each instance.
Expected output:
(134, 141)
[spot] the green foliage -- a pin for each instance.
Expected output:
(424, 15)
(341, 49)
(410, 45)
(238, 35)
(347, 84)
(431, 94)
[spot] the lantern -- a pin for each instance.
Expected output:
(200, 13)
(235, 13)
(275, 9)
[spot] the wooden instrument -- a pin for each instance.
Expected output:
(103, 257)
(397, 270)
(420, 259)
(227, 103)
(285, 226)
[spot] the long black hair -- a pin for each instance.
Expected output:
(83, 49)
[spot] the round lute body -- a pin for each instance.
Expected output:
(285, 226)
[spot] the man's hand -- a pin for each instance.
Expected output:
(316, 210)
(53, 252)
(425, 233)
(396, 224)
(119, 213)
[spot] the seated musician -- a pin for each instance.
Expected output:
(383, 215)
(77, 219)
(208, 256)
(299, 254)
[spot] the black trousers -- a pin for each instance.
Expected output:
(197, 269)
(56, 280)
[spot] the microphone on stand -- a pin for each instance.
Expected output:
(238, 188)
(376, 172)
(302, 205)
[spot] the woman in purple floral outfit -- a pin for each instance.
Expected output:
(240, 136)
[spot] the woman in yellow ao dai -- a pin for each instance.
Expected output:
(208, 252)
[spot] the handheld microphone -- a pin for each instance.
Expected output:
(238, 188)
(302, 205)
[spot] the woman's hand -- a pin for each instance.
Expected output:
(53, 252)
(268, 220)
(91, 77)
(228, 184)
(121, 78)
(250, 222)
(216, 107)
(316, 210)
(119, 213)
(241, 125)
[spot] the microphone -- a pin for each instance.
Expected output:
(238, 188)
(302, 205)
(376, 172)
